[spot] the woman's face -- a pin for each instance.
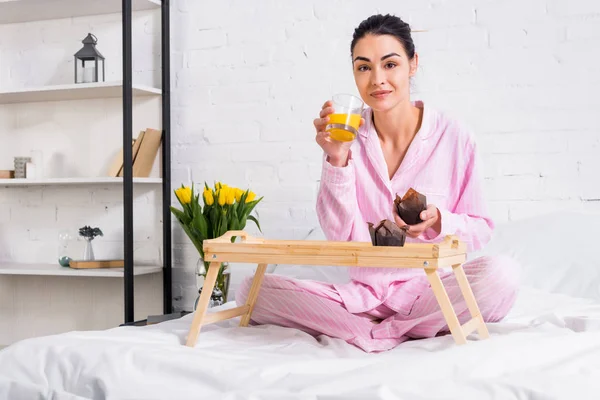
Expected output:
(382, 71)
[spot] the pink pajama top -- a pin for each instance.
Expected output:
(441, 163)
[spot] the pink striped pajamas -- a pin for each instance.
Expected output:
(441, 163)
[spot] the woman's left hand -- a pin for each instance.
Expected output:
(431, 219)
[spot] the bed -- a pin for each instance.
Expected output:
(548, 347)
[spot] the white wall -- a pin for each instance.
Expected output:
(249, 77)
(33, 306)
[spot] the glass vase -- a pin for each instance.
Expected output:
(64, 255)
(88, 252)
(220, 291)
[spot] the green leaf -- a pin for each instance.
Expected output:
(201, 225)
(252, 218)
(194, 238)
(213, 221)
(182, 217)
(234, 223)
(250, 206)
(223, 223)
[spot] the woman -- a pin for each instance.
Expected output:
(401, 144)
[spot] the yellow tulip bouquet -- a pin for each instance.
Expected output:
(225, 208)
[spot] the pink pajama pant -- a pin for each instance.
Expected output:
(317, 308)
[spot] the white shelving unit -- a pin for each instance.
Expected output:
(57, 270)
(15, 11)
(25, 11)
(74, 181)
(80, 91)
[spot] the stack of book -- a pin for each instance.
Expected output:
(144, 152)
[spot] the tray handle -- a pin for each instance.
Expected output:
(226, 237)
(451, 241)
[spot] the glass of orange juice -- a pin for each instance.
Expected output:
(344, 122)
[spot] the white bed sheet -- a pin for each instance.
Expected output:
(547, 348)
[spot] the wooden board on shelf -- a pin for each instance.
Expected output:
(80, 264)
(134, 151)
(147, 153)
(10, 268)
(79, 91)
(36, 10)
(74, 181)
(115, 168)
(7, 174)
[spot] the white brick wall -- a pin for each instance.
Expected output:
(44, 305)
(249, 77)
(521, 74)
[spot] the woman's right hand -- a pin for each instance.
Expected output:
(337, 152)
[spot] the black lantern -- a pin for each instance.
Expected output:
(87, 62)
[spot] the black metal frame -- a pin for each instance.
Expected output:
(166, 155)
(128, 289)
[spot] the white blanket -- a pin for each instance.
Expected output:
(548, 348)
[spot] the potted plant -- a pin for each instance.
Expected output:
(89, 234)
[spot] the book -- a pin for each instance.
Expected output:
(116, 168)
(147, 153)
(136, 147)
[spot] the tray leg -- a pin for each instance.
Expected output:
(253, 294)
(207, 289)
(465, 288)
(446, 306)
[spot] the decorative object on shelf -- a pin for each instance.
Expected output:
(7, 174)
(78, 264)
(143, 154)
(30, 171)
(89, 63)
(89, 233)
(21, 167)
(222, 208)
(148, 149)
(64, 238)
(116, 168)
(37, 158)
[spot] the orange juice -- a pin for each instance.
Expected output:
(343, 127)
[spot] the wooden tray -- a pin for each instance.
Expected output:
(320, 252)
(80, 264)
(449, 253)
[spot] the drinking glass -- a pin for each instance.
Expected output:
(344, 122)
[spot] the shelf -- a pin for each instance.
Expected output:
(14, 11)
(57, 270)
(74, 181)
(78, 91)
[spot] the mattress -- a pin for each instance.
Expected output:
(548, 347)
